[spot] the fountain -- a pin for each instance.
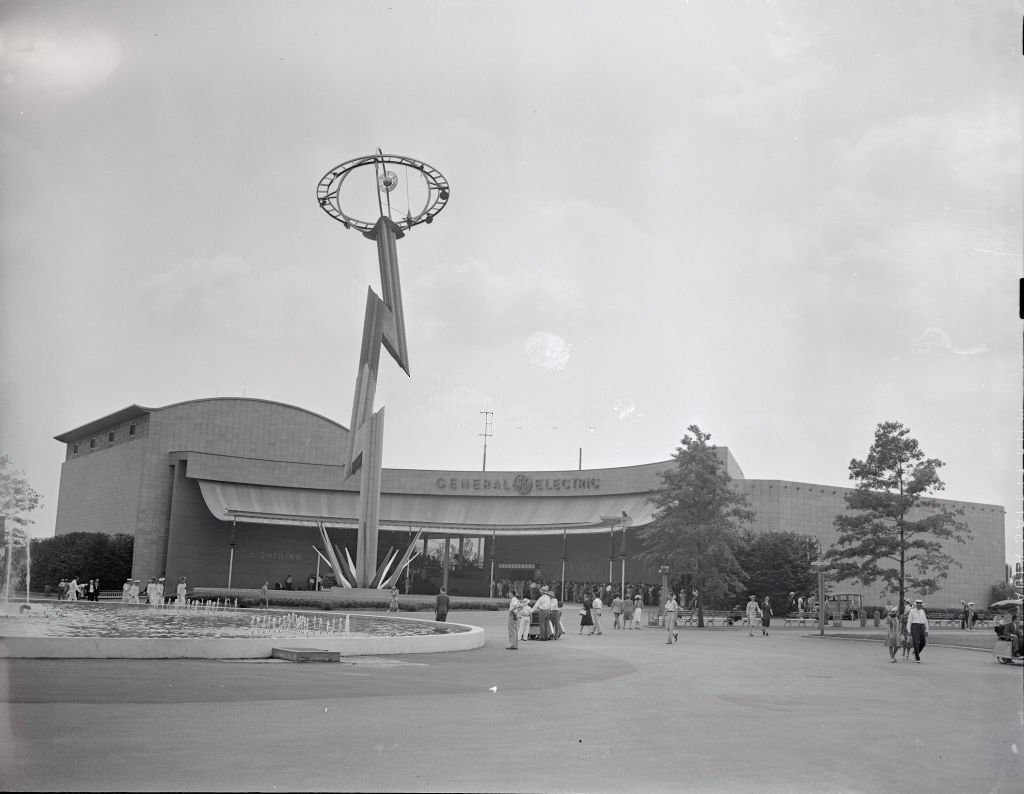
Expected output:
(214, 629)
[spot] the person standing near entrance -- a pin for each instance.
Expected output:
(753, 614)
(514, 607)
(671, 610)
(972, 616)
(917, 622)
(543, 610)
(963, 616)
(441, 605)
(595, 612)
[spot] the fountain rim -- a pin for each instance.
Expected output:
(16, 647)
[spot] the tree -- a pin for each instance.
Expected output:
(777, 564)
(1001, 591)
(87, 555)
(696, 520)
(893, 531)
(17, 499)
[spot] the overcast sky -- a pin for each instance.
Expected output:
(784, 222)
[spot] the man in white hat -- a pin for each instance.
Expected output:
(543, 610)
(514, 605)
(917, 622)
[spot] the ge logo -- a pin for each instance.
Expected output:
(522, 484)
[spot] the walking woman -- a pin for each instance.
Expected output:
(892, 633)
(766, 615)
(586, 618)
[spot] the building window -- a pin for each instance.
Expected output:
(74, 449)
(110, 436)
(131, 429)
(92, 443)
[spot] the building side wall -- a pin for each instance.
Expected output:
(810, 509)
(199, 544)
(241, 427)
(99, 491)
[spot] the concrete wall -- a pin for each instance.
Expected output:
(99, 490)
(229, 426)
(810, 509)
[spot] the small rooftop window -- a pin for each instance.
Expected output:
(92, 443)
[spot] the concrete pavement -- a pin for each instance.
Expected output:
(718, 711)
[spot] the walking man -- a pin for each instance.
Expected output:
(671, 610)
(441, 605)
(513, 623)
(753, 614)
(917, 620)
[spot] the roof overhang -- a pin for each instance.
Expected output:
(448, 514)
(110, 420)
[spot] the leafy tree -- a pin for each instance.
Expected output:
(87, 555)
(17, 497)
(1002, 591)
(696, 521)
(893, 531)
(777, 564)
(17, 500)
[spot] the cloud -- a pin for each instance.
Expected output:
(47, 57)
(547, 350)
(936, 338)
(224, 294)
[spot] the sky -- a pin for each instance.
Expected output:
(782, 222)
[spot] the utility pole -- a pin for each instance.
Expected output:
(486, 434)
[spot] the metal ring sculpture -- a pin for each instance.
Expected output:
(329, 188)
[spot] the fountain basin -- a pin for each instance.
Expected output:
(141, 632)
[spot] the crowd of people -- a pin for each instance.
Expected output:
(71, 590)
(575, 591)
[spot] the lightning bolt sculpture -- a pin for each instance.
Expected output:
(383, 324)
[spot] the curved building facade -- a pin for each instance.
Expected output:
(236, 487)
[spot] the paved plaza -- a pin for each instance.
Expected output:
(718, 712)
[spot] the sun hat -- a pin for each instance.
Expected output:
(918, 601)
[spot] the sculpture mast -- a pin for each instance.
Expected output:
(383, 324)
